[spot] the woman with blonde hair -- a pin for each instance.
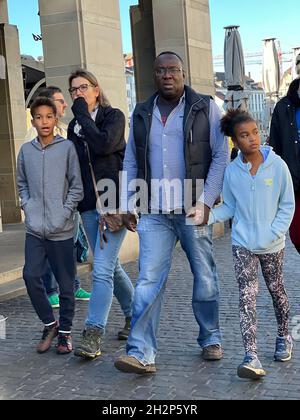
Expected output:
(97, 132)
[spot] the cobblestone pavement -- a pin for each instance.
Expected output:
(181, 372)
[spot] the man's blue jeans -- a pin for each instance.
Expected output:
(158, 236)
(108, 275)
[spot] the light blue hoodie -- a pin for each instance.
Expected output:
(262, 206)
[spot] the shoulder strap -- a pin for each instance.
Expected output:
(102, 225)
(99, 206)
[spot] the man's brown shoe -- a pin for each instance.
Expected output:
(49, 334)
(212, 353)
(129, 364)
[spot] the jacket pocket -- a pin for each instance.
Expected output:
(58, 218)
(265, 240)
(241, 234)
(34, 216)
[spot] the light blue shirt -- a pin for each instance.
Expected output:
(167, 162)
(166, 145)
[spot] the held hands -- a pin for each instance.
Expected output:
(199, 214)
(114, 222)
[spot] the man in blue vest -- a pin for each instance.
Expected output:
(174, 143)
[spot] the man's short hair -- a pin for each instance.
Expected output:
(49, 91)
(42, 101)
(170, 53)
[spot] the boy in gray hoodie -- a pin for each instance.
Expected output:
(50, 187)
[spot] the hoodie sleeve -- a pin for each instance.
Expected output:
(22, 179)
(227, 209)
(75, 193)
(286, 207)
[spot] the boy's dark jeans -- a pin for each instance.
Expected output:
(60, 257)
(50, 283)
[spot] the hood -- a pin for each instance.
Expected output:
(35, 142)
(247, 166)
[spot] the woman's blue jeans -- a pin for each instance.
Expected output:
(108, 275)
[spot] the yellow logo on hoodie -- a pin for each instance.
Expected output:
(269, 182)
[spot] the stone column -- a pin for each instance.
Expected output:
(144, 52)
(3, 11)
(86, 34)
(12, 116)
(182, 26)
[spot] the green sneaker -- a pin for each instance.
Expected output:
(81, 294)
(54, 300)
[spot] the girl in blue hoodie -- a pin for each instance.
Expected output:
(258, 195)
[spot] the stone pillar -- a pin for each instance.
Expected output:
(144, 52)
(3, 11)
(86, 34)
(182, 26)
(12, 117)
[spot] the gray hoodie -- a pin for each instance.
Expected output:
(50, 187)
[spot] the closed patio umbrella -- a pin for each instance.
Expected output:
(234, 64)
(271, 69)
(271, 77)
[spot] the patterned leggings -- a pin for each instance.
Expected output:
(246, 271)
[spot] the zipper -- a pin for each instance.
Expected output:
(253, 199)
(253, 211)
(146, 148)
(191, 134)
(44, 205)
(191, 109)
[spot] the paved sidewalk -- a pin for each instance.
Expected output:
(12, 247)
(181, 372)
